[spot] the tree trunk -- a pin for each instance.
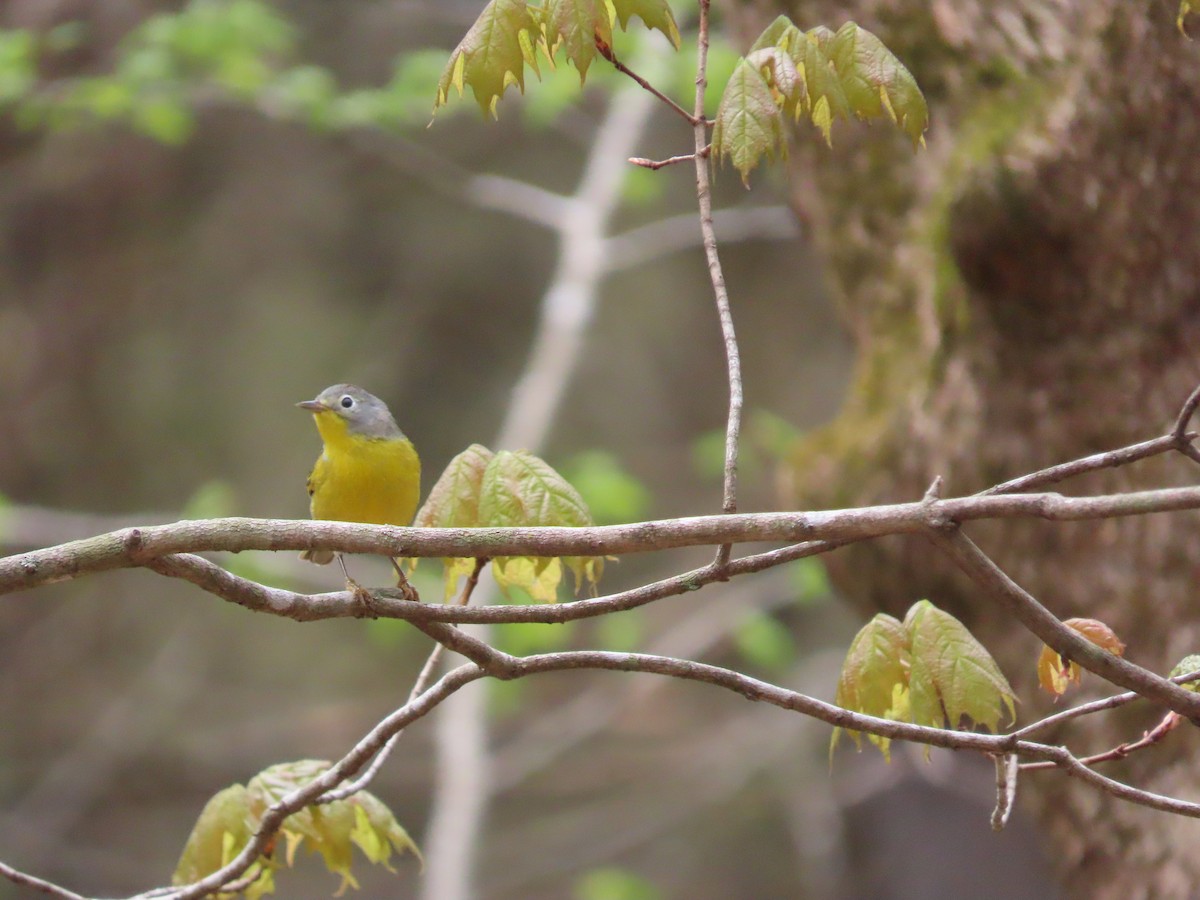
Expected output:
(1023, 292)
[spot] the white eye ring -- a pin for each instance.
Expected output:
(347, 401)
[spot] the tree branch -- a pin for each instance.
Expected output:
(140, 546)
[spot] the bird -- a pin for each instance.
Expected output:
(368, 470)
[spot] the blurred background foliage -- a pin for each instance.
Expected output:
(212, 210)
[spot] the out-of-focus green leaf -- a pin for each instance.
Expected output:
(610, 492)
(612, 883)
(212, 500)
(749, 125)
(811, 581)
(18, 65)
(624, 632)
(764, 641)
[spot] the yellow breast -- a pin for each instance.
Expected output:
(361, 479)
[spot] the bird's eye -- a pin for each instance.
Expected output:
(347, 401)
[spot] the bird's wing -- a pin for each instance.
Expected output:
(317, 476)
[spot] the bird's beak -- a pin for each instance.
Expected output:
(315, 406)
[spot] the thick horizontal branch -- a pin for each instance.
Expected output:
(138, 546)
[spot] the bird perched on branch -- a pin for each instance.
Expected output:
(368, 471)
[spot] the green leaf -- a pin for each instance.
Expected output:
(811, 581)
(778, 70)
(1185, 7)
(18, 65)
(333, 829)
(1186, 666)
(212, 500)
(225, 826)
(453, 502)
(749, 124)
(825, 98)
(876, 82)
(575, 26)
(613, 883)
(778, 34)
(492, 55)
(874, 675)
(655, 15)
(610, 492)
(952, 676)
(765, 642)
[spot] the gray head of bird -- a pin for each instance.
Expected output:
(362, 412)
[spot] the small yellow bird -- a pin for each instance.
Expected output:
(368, 471)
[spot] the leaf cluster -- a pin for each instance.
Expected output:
(927, 670)
(233, 815)
(1056, 674)
(819, 75)
(511, 34)
(482, 489)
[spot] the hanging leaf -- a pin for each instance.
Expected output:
(575, 26)
(952, 676)
(225, 826)
(874, 677)
(655, 15)
(749, 124)
(521, 490)
(493, 55)
(1055, 674)
(778, 70)
(876, 82)
(333, 829)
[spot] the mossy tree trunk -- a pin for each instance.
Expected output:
(1024, 292)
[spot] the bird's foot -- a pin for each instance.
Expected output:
(363, 598)
(404, 586)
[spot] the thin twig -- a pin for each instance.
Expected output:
(1166, 725)
(606, 51)
(733, 424)
(16, 876)
(1094, 706)
(656, 164)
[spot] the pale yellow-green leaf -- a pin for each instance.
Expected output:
(826, 100)
(749, 125)
(778, 34)
(1186, 666)
(952, 676)
(522, 490)
(876, 83)
(574, 26)
(333, 829)
(492, 55)
(453, 502)
(875, 665)
(655, 14)
(780, 73)
(226, 815)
